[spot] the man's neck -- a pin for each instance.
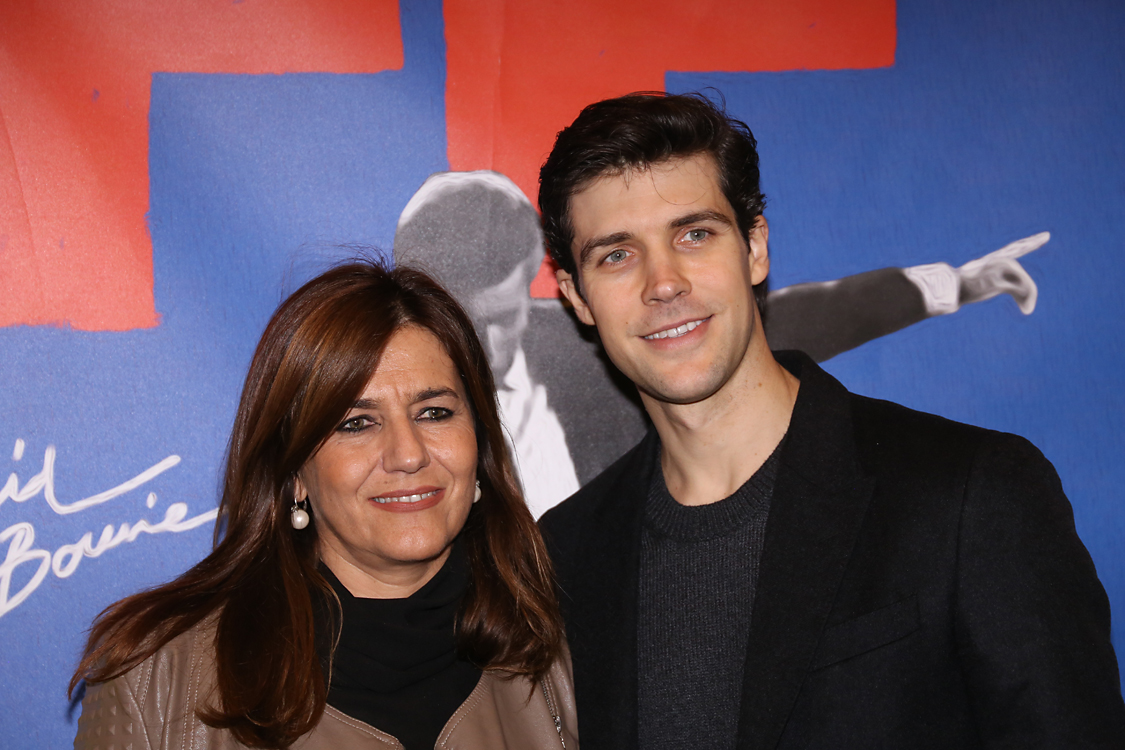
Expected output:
(710, 448)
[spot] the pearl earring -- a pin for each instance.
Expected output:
(299, 515)
(476, 495)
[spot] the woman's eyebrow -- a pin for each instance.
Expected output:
(430, 393)
(426, 395)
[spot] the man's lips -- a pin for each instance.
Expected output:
(675, 331)
(415, 498)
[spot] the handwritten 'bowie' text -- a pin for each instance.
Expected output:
(64, 561)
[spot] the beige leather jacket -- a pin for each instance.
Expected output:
(152, 707)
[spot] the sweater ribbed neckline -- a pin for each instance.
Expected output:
(666, 517)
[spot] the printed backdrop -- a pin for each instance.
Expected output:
(169, 171)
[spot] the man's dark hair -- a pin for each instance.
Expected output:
(637, 131)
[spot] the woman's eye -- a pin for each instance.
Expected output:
(435, 414)
(356, 424)
(696, 235)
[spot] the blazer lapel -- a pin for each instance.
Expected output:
(603, 626)
(819, 501)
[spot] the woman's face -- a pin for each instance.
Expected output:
(393, 484)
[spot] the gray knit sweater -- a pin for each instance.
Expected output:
(698, 575)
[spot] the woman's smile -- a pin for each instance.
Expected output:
(410, 501)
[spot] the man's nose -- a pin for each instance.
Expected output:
(666, 279)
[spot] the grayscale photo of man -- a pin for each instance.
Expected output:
(568, 411)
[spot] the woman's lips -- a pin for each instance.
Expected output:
(410, 500)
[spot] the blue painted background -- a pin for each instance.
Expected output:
(998, 120)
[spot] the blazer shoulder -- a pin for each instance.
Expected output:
(890, 434)
(570, 516)
(995, 471)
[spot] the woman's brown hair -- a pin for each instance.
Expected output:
(313, 361)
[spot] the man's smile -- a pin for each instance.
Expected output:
(677, 330)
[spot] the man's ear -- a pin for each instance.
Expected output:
(758, 240)
(569, 288)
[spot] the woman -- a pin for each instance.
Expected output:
(377, 580)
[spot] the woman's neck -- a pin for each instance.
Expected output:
(393, 581)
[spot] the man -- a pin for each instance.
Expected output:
(780, 563)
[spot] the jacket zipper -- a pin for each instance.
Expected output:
(554, 714)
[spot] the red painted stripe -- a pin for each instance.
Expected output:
(74, 98)
(519, 70)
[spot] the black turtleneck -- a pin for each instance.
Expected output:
(396, 666)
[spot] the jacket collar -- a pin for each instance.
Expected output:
(818, 505)
(603, 625)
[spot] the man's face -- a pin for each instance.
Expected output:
(666, 277)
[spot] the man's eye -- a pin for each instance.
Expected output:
(435, 414)
(696, 235)
(356, 424)
(616, 256)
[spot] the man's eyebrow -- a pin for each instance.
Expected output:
(699, 216)
(593, 244)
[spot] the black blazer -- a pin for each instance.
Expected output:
(921, 585)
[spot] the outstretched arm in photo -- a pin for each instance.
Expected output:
(827, 318)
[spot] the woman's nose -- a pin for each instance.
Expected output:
(406, 449)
